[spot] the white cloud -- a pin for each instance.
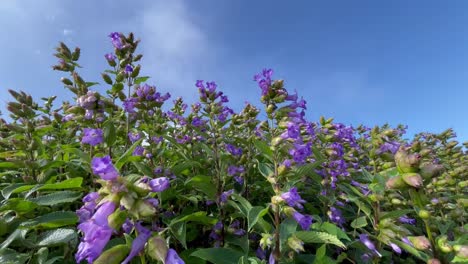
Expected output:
(176, 49)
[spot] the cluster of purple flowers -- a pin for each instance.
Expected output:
(293, 199)
(237, 172)
(92, 136)
(264, 80)
(233, 150)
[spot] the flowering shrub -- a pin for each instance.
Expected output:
(123, 177)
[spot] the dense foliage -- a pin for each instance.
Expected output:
(126, 177)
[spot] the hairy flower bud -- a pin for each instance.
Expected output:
(157, 248)
(396, 182)
(433, 261)
(430, 170)
(407, 162)
(116, 219)
(412, 179)
(420, 242)
(295, 244)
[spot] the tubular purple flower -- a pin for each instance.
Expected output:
(366, 241)
(159, 184)
(305, 221)
(173, 258)
(116, 40)
(293, 198)
(407, 220)
(104, 168)
(96, 233)
(128, 69)
(139, 243)
(395, 248)
(92, 136)
(110, 57)
(225, 195)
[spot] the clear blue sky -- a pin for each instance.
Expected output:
(365, 62)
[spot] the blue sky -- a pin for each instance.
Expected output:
(367, 62)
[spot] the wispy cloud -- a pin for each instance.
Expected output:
(176, 49)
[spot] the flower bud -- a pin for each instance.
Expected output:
(157, 248)
(431, 170)
(106, 78)
(116, 219)
(66, 81)
(395, 183)
(443, 245)
(144, 209)
(420, 242)
(407, 162)
(424, 214)
(433, 261)
(295, 244)
(462, 252)
(113, 255)
(127, 201)
(413, 179)
(266, 241)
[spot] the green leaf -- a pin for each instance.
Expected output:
(202, 183)
(17, 234)
(15, 188)
(141, 79)
(287, 228)
(334, 230)
(52, 220)
(265, 169)
(66, 184)
(218, 255)
(319, 237)
(18, 205)
(264, 149)
(420, 255)
(56, 237)
(242, 242)
(309, 170)
(179, 168)
(179, 230)
(9, 165)
(395, 214)
(143, 168)
(199, 217)
(56, 198)
(109, 132)
(359, 222)
(254, 214)
(127, 156)
(242, 203)
(9, 256)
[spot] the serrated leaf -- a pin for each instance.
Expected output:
(52, 220)
(334, 230)
(127, 156)
(287, 228)
(56, 198)
(17, 234)
(359, 222)
(265, 169)
(141, 79)
(242, 203)
(199, 217)
(56, 237)
(179, 230)
(319, 237)
(218, 255)
(109, 132)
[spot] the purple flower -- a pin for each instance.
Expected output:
(138, 151)
(129, 104)
(406, 241)
(96, 233)
(233, 150)
(159, 184)
(68, 117)
(197, 122)
(134, 136)
(110, 57)
(139, 242)
(293, 198)
(300, 152)
(128, 69)
(260, 253)
(173, 258)
(92, 136)
(225, 195)
(395, 248)
(127, 226)
(366, 241)
(104, 168)
(116, 40)
(87, 210)
(303, 220)
(406, 220)
(336, 216)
